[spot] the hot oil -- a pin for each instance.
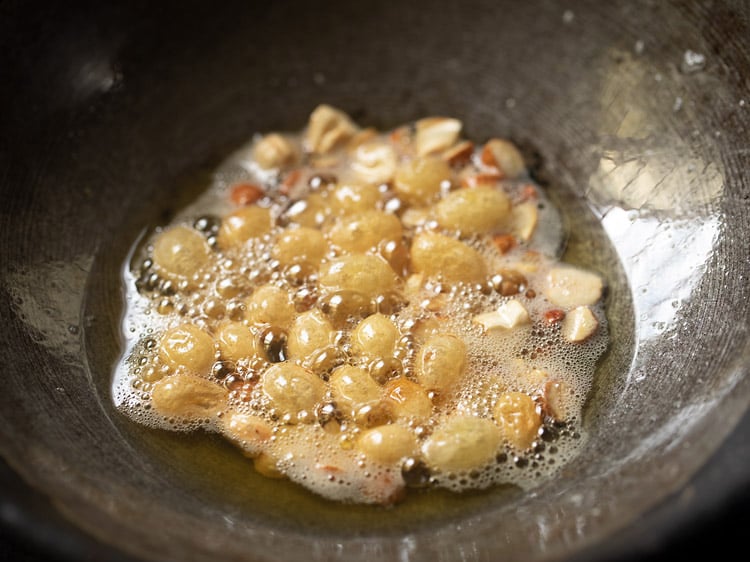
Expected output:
(216, 471)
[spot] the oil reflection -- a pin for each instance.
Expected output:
(664, 259)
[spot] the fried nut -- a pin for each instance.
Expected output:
(459, 154)
(504, 156)
(570, 287)
(509, 315)
(274, 151)
(579, 324)
(327, 128)
(374, 162)
(435, 134)
(523, 220)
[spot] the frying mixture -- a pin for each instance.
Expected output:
(365, 312)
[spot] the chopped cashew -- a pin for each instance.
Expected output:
(579, 324)
(509, 315)
(570, 286)
(327, 128)
(435, 134)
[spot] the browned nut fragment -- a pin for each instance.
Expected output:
(554, 315)
(327, 128)
(503, 155)
(475, 180)
(188, 398)
(504, 242)
(435, 134)
(579, 324)
(459, 154)
(274, 151)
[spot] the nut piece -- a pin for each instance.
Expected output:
(503, 155)
(360, 137)
(460, 154)
(188, 397)
(274, 151)
(435, 134)
(579, 324)
(374, 162)
(569, 287)
(523, 220)
(327, 128)
(509, 315)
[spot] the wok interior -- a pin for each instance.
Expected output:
(127, 110)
